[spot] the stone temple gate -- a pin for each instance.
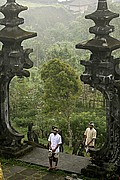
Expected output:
(14, 60)
(102, 72)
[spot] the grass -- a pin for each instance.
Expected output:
(67, 149)
(43, 141)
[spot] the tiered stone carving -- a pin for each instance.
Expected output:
(14, 61)
(102, 72)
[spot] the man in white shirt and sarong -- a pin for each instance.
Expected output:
(90, 137)
(55, 141)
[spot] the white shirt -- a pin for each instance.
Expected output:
(90, 134)
(55, 140)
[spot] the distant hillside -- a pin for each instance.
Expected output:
(46, 16)
(36, 2)
(42, 1)
(40, 17)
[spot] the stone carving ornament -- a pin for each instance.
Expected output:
(102, 72)
(14, 61)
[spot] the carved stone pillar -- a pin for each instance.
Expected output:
(102, 72)
(14, 60)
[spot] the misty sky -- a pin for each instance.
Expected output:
(22, 1)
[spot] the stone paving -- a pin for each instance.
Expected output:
(24, 173)
(67, 163)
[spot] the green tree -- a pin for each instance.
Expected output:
(65, 51)
(61, 89)
(25, 98)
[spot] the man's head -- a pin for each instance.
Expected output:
(91, 125)
(55, 130)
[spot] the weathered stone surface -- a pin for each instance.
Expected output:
(102, 72)
(14, 60)
(67, 162)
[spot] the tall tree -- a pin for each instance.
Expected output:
(25, 98)
(61, 89)
(67, 52)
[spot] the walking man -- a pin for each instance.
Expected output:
(89, 137)
(54, 141)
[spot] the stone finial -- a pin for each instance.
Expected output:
(102, 5)
(11, 10)
(102, 16)
(102, 41)
(11, 21)
(9, 1)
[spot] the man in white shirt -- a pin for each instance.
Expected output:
(55, 141)
(90, 136)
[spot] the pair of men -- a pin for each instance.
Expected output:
(55, 141)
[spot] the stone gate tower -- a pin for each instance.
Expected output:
(14, 61)
(102, 72)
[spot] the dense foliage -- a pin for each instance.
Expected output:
(52, 94)
(61, 89)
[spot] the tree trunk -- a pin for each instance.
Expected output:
(70, 134)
